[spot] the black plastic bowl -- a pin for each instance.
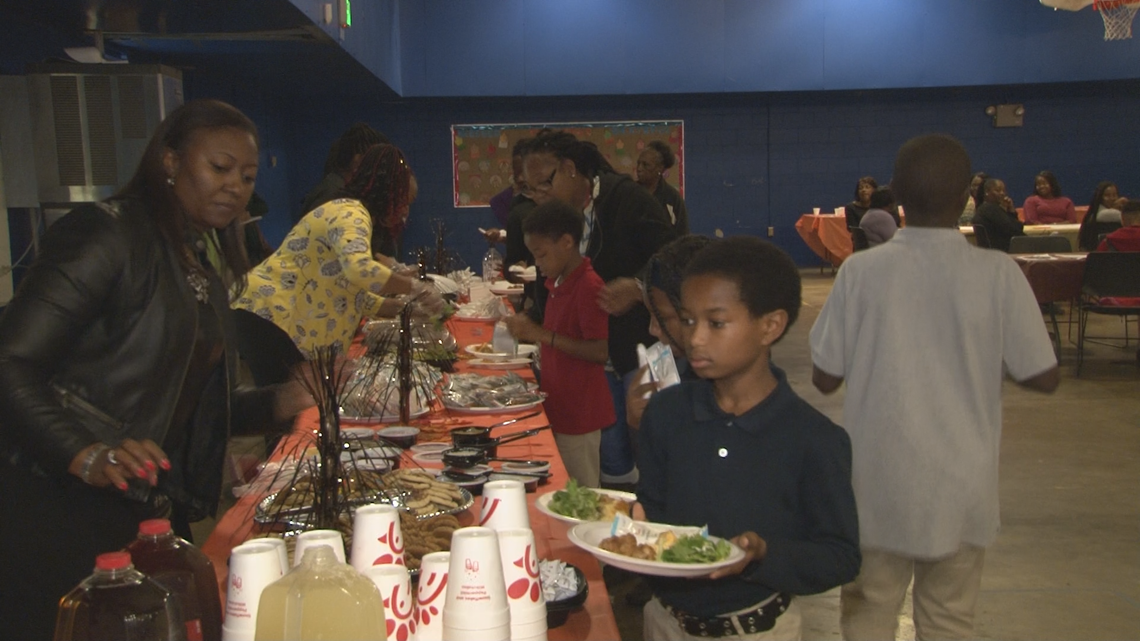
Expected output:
(558, 611)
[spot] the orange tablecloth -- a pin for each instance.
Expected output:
(826, 235)
(594, 621)
(1053, 277)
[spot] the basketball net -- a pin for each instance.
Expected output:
(1117, 16)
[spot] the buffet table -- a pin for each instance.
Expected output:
(594, 621)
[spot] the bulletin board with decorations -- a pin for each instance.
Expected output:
(481, 154)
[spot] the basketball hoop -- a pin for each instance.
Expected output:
(1117, 16)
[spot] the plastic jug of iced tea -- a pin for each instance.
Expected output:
(187, 573)
(118, 602)
(321, 599)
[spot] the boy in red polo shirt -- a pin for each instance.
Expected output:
(573, 337)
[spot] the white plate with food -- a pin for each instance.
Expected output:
(485, 352)
(510, 363)
(503, 288)
(591, 504)
(671, 542)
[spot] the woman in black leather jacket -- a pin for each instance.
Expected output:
(117, 366)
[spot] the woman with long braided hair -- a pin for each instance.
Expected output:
(324, 278)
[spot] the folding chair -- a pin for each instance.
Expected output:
(859, 239)
(1108, 275)
(982, 237)
(1040, 245)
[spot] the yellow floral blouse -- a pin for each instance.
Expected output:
(322, 280)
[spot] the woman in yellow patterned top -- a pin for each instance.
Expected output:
(324, 278)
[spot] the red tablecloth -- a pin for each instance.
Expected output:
(1053, 277)
(594, 621)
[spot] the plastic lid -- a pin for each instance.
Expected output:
(113, 561)
(154, 527)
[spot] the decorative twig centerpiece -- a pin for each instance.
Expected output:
(325, 384)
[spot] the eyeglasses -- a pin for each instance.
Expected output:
(544, 186)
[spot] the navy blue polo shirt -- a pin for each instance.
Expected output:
(781, 469)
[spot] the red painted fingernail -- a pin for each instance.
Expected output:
(165, 464)
(150, 465)
(141, 472)
(122, 486)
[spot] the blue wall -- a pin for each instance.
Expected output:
(601, 47)
(753, 160)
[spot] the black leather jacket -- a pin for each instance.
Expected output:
(95, 347)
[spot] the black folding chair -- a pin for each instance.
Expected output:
(981, 236)
(1107, 275)
(859, 239)
(1040, 245)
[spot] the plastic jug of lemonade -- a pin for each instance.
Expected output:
(187, 573)
(118, 602)
(321, 599)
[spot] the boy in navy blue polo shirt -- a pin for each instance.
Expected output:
(573, 339)
(740, 452)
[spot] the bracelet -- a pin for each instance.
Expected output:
(89, 461)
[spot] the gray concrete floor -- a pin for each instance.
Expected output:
(1066, 564)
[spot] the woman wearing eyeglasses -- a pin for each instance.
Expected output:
(625, 226)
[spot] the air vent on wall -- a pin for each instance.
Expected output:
(101, 130)
(68, 131)
(132, 107)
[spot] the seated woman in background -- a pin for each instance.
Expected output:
(324, 277)
(652, 164)
(877, 223)
(975, 199)
(1047, 206)
(856, 208)
(1103, 215)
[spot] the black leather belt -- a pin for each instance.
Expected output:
(762, 619)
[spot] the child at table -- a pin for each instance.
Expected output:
(738, 450)
(573, 339)
(923, 354)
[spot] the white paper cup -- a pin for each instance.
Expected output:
(815, 210)
(376, 537)
(499, 633)
(395, 585)
(520, 575)
(430, 595)
(476, 596)
(253, 566)
(313, 538)
(840, 211)
(504, 505)
(279, 544)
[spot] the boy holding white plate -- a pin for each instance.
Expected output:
(740, 452)
(573, 338)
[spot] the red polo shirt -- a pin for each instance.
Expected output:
(578, 397)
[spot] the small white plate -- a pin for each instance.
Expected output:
(503, 288)
(543, 504)
(435, 446)
(589, 535)
(510, 363)
(526, 350)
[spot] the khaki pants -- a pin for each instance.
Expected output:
(581, 454)
(945, 593)
(659, 625)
